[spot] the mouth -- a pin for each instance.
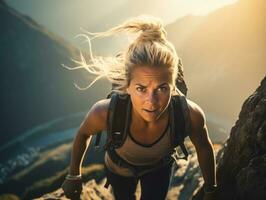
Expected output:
(150, 111)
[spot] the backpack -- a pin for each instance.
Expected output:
(118, 122)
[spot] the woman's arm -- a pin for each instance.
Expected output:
(94, 122)
(200, 139)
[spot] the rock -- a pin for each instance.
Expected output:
(250, 181)
(186, 176)
(241, 167)
(91, 191)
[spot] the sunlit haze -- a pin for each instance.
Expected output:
(66, 17)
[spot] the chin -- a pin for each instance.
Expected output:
(150, 118)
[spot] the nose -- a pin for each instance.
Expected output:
(152, 98)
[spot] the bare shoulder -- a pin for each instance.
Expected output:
(199, 131)
(96, 119)
(100, 109)
(197, 115)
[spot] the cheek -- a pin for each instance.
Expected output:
(165, 98)
(136, 99)
(137, 103)
(134, 94)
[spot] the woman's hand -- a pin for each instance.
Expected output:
(72, 188)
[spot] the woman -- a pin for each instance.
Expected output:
(147, 71)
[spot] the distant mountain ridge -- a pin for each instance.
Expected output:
(223, 55)
(35, 87)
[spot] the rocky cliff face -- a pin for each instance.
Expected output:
(241, 171)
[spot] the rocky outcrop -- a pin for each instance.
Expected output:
(241, 171)
(91, 190)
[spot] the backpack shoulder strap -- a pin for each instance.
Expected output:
(186, 115)
(180, 124)
(118, 120)
(112, 104)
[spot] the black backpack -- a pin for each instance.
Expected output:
(118, 124)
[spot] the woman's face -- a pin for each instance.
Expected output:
(150, 90)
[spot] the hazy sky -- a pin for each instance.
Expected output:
(169, 11)
(65, 17)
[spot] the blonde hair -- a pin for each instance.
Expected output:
(150, 48)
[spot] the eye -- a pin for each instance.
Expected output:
(163, 89)
(141, 89)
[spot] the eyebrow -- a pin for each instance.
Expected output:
(146, 86)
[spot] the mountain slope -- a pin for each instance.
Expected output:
(223, 55)
(34, 87)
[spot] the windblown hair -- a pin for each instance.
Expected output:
(150, 48)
